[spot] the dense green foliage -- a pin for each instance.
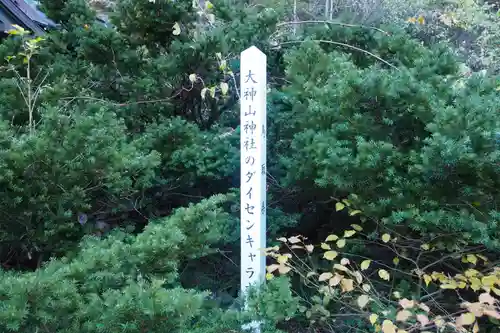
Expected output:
(404, 142)
(119, 201)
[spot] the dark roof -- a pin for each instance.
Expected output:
(23, 14)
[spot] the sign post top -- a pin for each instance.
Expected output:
(253, 51)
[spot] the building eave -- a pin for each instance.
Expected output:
(17, 16)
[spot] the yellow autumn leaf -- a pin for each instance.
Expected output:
(425, 247)
(192, 78)
(358, 276)
(424, 307)
(403, 315)
(211, 18)
(427, 279)
(335, 280)
(402, 331)
(438, 276)
(366, 287)
(341, 243)
(466, 319)
(294, 240)
(475, 329)
(341, 268)
(472, 259)
(344, 262)
(269, 276)
(203, 93)
(325, 246)
(363, 301)
(386, 238)
(373, 318)
(406, 303)
(272, 268)
(222, 65)
(475, 283)
(311, 274)
(489, 280)
(395, 261)
(384, 275)
(421, 20)
(273, 248)
(388, 326)
(349, 233)
(176, 29)
(411, 20)
(331, 238)
(325, 276)
(471, 273)
(309, 248)
(282, 259)
(480, 256)
(487, 298)
(439, 321)
(330, 255)
(477, 309)
(224, 87)
(354, 212)
(365, 264)
(284, 269)
(209, 5)
(492, 314)
(422, 319)
(357, 227)
(339, 206)
(347, 285)
(451, 285)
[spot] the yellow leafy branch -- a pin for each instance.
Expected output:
(348, 284)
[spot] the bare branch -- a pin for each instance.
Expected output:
(345, 45)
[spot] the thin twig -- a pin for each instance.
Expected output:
(332, 22)
(345, 45)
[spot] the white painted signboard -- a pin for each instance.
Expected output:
(253, 85)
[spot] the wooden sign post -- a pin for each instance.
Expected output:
(253, 85)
